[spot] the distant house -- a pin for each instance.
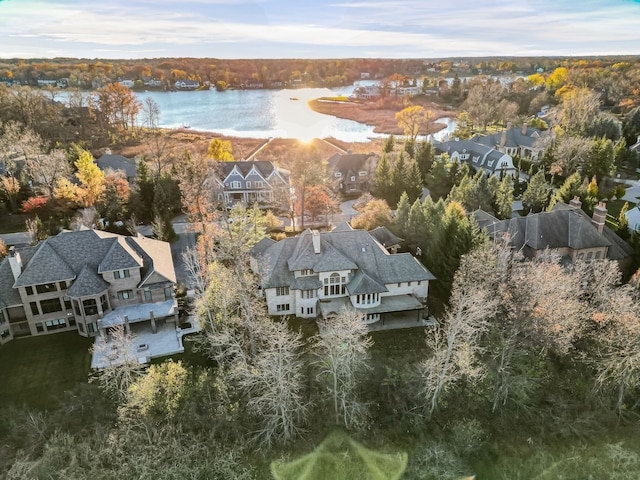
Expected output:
(351, 174)
(187, 84)
(566, 231)
(478, 156)
(118, 162)
(126, 83)
(259, 182)
(89, 281)
(366, 92)
(318, 274)
(43, 82)
(515, 141)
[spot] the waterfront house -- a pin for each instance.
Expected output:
(478, 156)
(522, 141)
(351, 174)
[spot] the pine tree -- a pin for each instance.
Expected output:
(536, 197)
(504, 198)
(417, 227)
(424, 158)
(414, 183)
(571, 187)
(382, 180)
(401, 220)
(399, 178)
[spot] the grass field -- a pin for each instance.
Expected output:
(36, 371)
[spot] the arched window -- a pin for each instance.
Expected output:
(334, 285)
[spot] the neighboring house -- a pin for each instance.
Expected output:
(118, 162)
(252, 182)
(514, 141)
(187, 84)
(88, 281)
(126, 83)
(318, 274)
(478, 156)
(352, 174)
(386, 238)
(566, 231)
(366, 92)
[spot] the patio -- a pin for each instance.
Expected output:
(142, 346)
(139, 312)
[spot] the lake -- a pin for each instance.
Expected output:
(262, 114)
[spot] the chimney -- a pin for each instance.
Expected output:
(15, 262)
(524, 128)
(575, 202)
(503, 138)
(599, 216)
(316, 241)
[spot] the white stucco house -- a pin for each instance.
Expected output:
(478, 156)
(318, 274)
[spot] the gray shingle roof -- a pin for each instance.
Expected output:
(118, 162)
(562, 227)
(87, 283)
(514, 138)
(46, 266)
(385, 237)
(339, 250)
(120, 256)
(9, 296)
(363, 283)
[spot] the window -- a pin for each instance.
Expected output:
(72, 321)
(121, 274)
(248, 184)
(282, 308)
(125, 295)
(46, 288)
(334, 285)
(63, 285)
(362, 174)
(399, 284)
(90, 306)
(103, 303)
(306, 273)
(338, 174)
(408, 284)
(34, 308)
(5, 334)
(308, 294)
(282, 291)
(353, 178)
(81, 327)
(39, 327)
(419, 282)
(310, 310)
(259, 184)
(598, 255)
(76, 307)
(29, 290)
(92, 327)
(147, 295)
(67, 303)
(235, 184)
(53, 324)
(168, 293)
(2, 319)
(50, 306)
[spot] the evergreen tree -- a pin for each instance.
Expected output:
(504, 198)
(439, 179)
(399, 178)
(536, 197)
(571, 187)
(401, 220)
(417, 227)
(631, 126)
(414, 183)
(382, 180)
(424, 158)
(389, 144)
(410, 148)
(142, 198)
(601, 161)
(623, 223)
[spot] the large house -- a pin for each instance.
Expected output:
(478, 156)
(318, 274)
(352, 174)
(252, 182)
(88, 281)
(566, 231)
(513, 140)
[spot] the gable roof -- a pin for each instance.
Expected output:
(87, 283)
(385, 237)
(479, 155)
(352, 162)
(513, 138)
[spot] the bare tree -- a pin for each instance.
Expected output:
(342, 351)
(122, 366)
(455, 345)
(274, 384)
(47, 168)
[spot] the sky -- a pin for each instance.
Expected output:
(317, 29)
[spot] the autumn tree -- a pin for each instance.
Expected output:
(413, 120)
(307, 170)
(374, 213)
(194, 176)
(220, 150)
(321, 201)
(91, 179)
(117, 105)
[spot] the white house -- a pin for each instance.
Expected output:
(478, 156)
(318, 274)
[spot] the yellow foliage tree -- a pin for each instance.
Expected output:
(91, 178)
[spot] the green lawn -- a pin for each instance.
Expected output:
(36, 371)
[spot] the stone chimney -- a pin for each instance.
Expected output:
(599, 216)
(524, 128)
(316, 241)
(15, 262)
(503, 138)
(575, 202)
